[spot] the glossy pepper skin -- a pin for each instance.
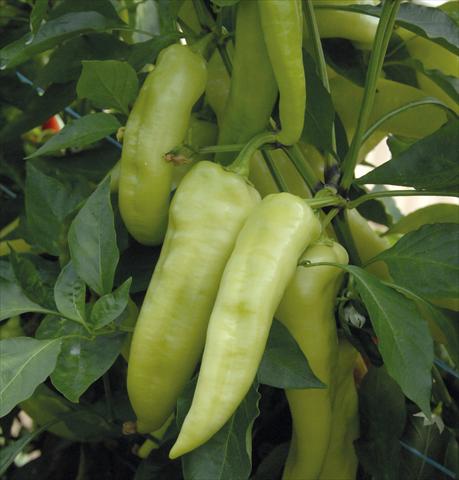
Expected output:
(307, 310)
(368, 243)
(341, 460)
(282, 23)
(256, 275)
(253, 88)
(157, 124)
(206, 214)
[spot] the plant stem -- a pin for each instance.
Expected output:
(408, 106)
(383, 34)
(319, 56)
(398, 193)
(222, 148)
(275, 173)
(303, 167)
(241, 165)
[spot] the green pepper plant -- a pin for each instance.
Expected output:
(196, 281)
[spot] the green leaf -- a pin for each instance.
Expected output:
(429, 164)
(31, 282)
(320, 114)
(38, 109)
(48, 202)
(426, 261)
(228, 454)
(65, 62)
(110, 306)
(438, 213)
(38, 14)
(15, 302)
(451, 8)
(26, 362)
(80, 132)
(382, 419)
(92, 241)
(108, 84)
(403, 336)
(83, 359)
(283, 364)
(53, 33)
(70, 294)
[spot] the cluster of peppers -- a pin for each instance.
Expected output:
(233, 243)
(229, 259)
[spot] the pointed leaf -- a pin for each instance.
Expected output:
(108, 84)
(437, 213)
(80, 132)
(70, 294)
(31, 282)
(26, 362)
(53, 33)
(83, 359)
(92, 241)
(403, 336)
(426, 261)
(283, 364)
(38, 14)
(429, 164)
(110, 306)
(382, 414)
(48, 202)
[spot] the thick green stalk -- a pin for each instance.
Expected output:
(383, 34)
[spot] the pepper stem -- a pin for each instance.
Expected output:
(241, 165)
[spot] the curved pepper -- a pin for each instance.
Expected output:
(307, 310)
(253, 88)
(282, 23)
(157, 124)
(341, 460)
(206, 214)
(256, 275)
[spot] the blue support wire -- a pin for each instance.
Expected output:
(68, 110)
(438, 362)
(428, 460)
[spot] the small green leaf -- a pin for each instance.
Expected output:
(108, 84)
(70, 294)
(110, 306)
(382, 417)
(429, 164)
(403, 336)
(15, 302)
(81, 132)
(283, 364)
(38, 14)
(228, 454)
(53, 33)
(438, 213)
(92, 241)
(26, 362)
(83, 359)
(31, 282)
(320, 114)
(426, 261)
(48, 202)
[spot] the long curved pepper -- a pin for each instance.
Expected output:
(261, 265)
